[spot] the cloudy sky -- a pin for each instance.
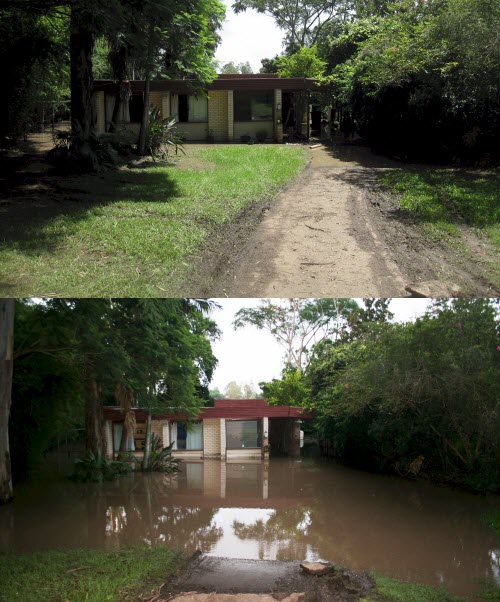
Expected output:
(250, 355)
(248, 37)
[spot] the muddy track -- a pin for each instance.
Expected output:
(277, 578)
(334, 233)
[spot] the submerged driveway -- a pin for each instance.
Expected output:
(317, 239)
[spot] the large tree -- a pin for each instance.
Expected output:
(301, 20)
(298, 324)
(181, 35)
(155, 352)
(6, 368)
(423, 393)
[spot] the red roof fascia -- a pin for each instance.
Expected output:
(260, 82)
(115, 414)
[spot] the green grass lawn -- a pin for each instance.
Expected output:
(392, 590)
(86, 575)
(132, 232)
(440, 198)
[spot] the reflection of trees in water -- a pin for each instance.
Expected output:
(408, 530)
(143, 510)
(285, 530)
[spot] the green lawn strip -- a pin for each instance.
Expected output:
(86, 575)
(437, 197)
(132, 232)
(392, 590)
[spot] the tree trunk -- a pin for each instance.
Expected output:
(81, 45)
(147, 84)
(7, 307)
(147, 443)
(94, 432)
(145, 114)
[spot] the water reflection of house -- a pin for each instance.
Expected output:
(233, 429)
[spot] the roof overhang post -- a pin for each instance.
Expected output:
(165, 105)
(309, 114)
(265, 438)
(278, 116)
(223, 438)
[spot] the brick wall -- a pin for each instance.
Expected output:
(165, 104)
(155, 99)
(230, 116)
(211, 438)
(218, 115)
(223, 438)
(157, 429)
(100, 112)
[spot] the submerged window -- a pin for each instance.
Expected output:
(187, 436)
(190, 108)
(243, 433)
(253, 106)
(117, 438)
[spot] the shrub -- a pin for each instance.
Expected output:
(160, 459)
(162, 136)
(96, 469)
(261, 136)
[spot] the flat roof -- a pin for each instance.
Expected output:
(239, 82)
(231, 409)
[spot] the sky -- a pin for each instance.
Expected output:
(249, 36)
(250, 355)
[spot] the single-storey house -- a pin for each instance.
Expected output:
(233, 429)
(233, 108)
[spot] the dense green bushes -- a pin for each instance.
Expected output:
(421, 79)
(416, 398)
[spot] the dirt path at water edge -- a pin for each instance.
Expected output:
(234, 580)
(335, 232)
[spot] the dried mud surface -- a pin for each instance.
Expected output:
(335, 233)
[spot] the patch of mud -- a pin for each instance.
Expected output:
(335, 232)
(213, 273)
(277, 578)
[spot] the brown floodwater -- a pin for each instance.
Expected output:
(286, 510)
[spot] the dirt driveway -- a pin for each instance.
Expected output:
(334, 233)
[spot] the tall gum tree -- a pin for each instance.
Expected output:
(7, 308)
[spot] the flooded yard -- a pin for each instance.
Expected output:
(283, 510)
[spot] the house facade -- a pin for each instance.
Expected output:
(234, 429)
(233, 108)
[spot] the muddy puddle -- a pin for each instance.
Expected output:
(283, 510)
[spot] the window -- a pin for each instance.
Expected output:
(243, 434)
(187, 436)
(253, 106)
(117, 437)
(136, 107)
(192, 109)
